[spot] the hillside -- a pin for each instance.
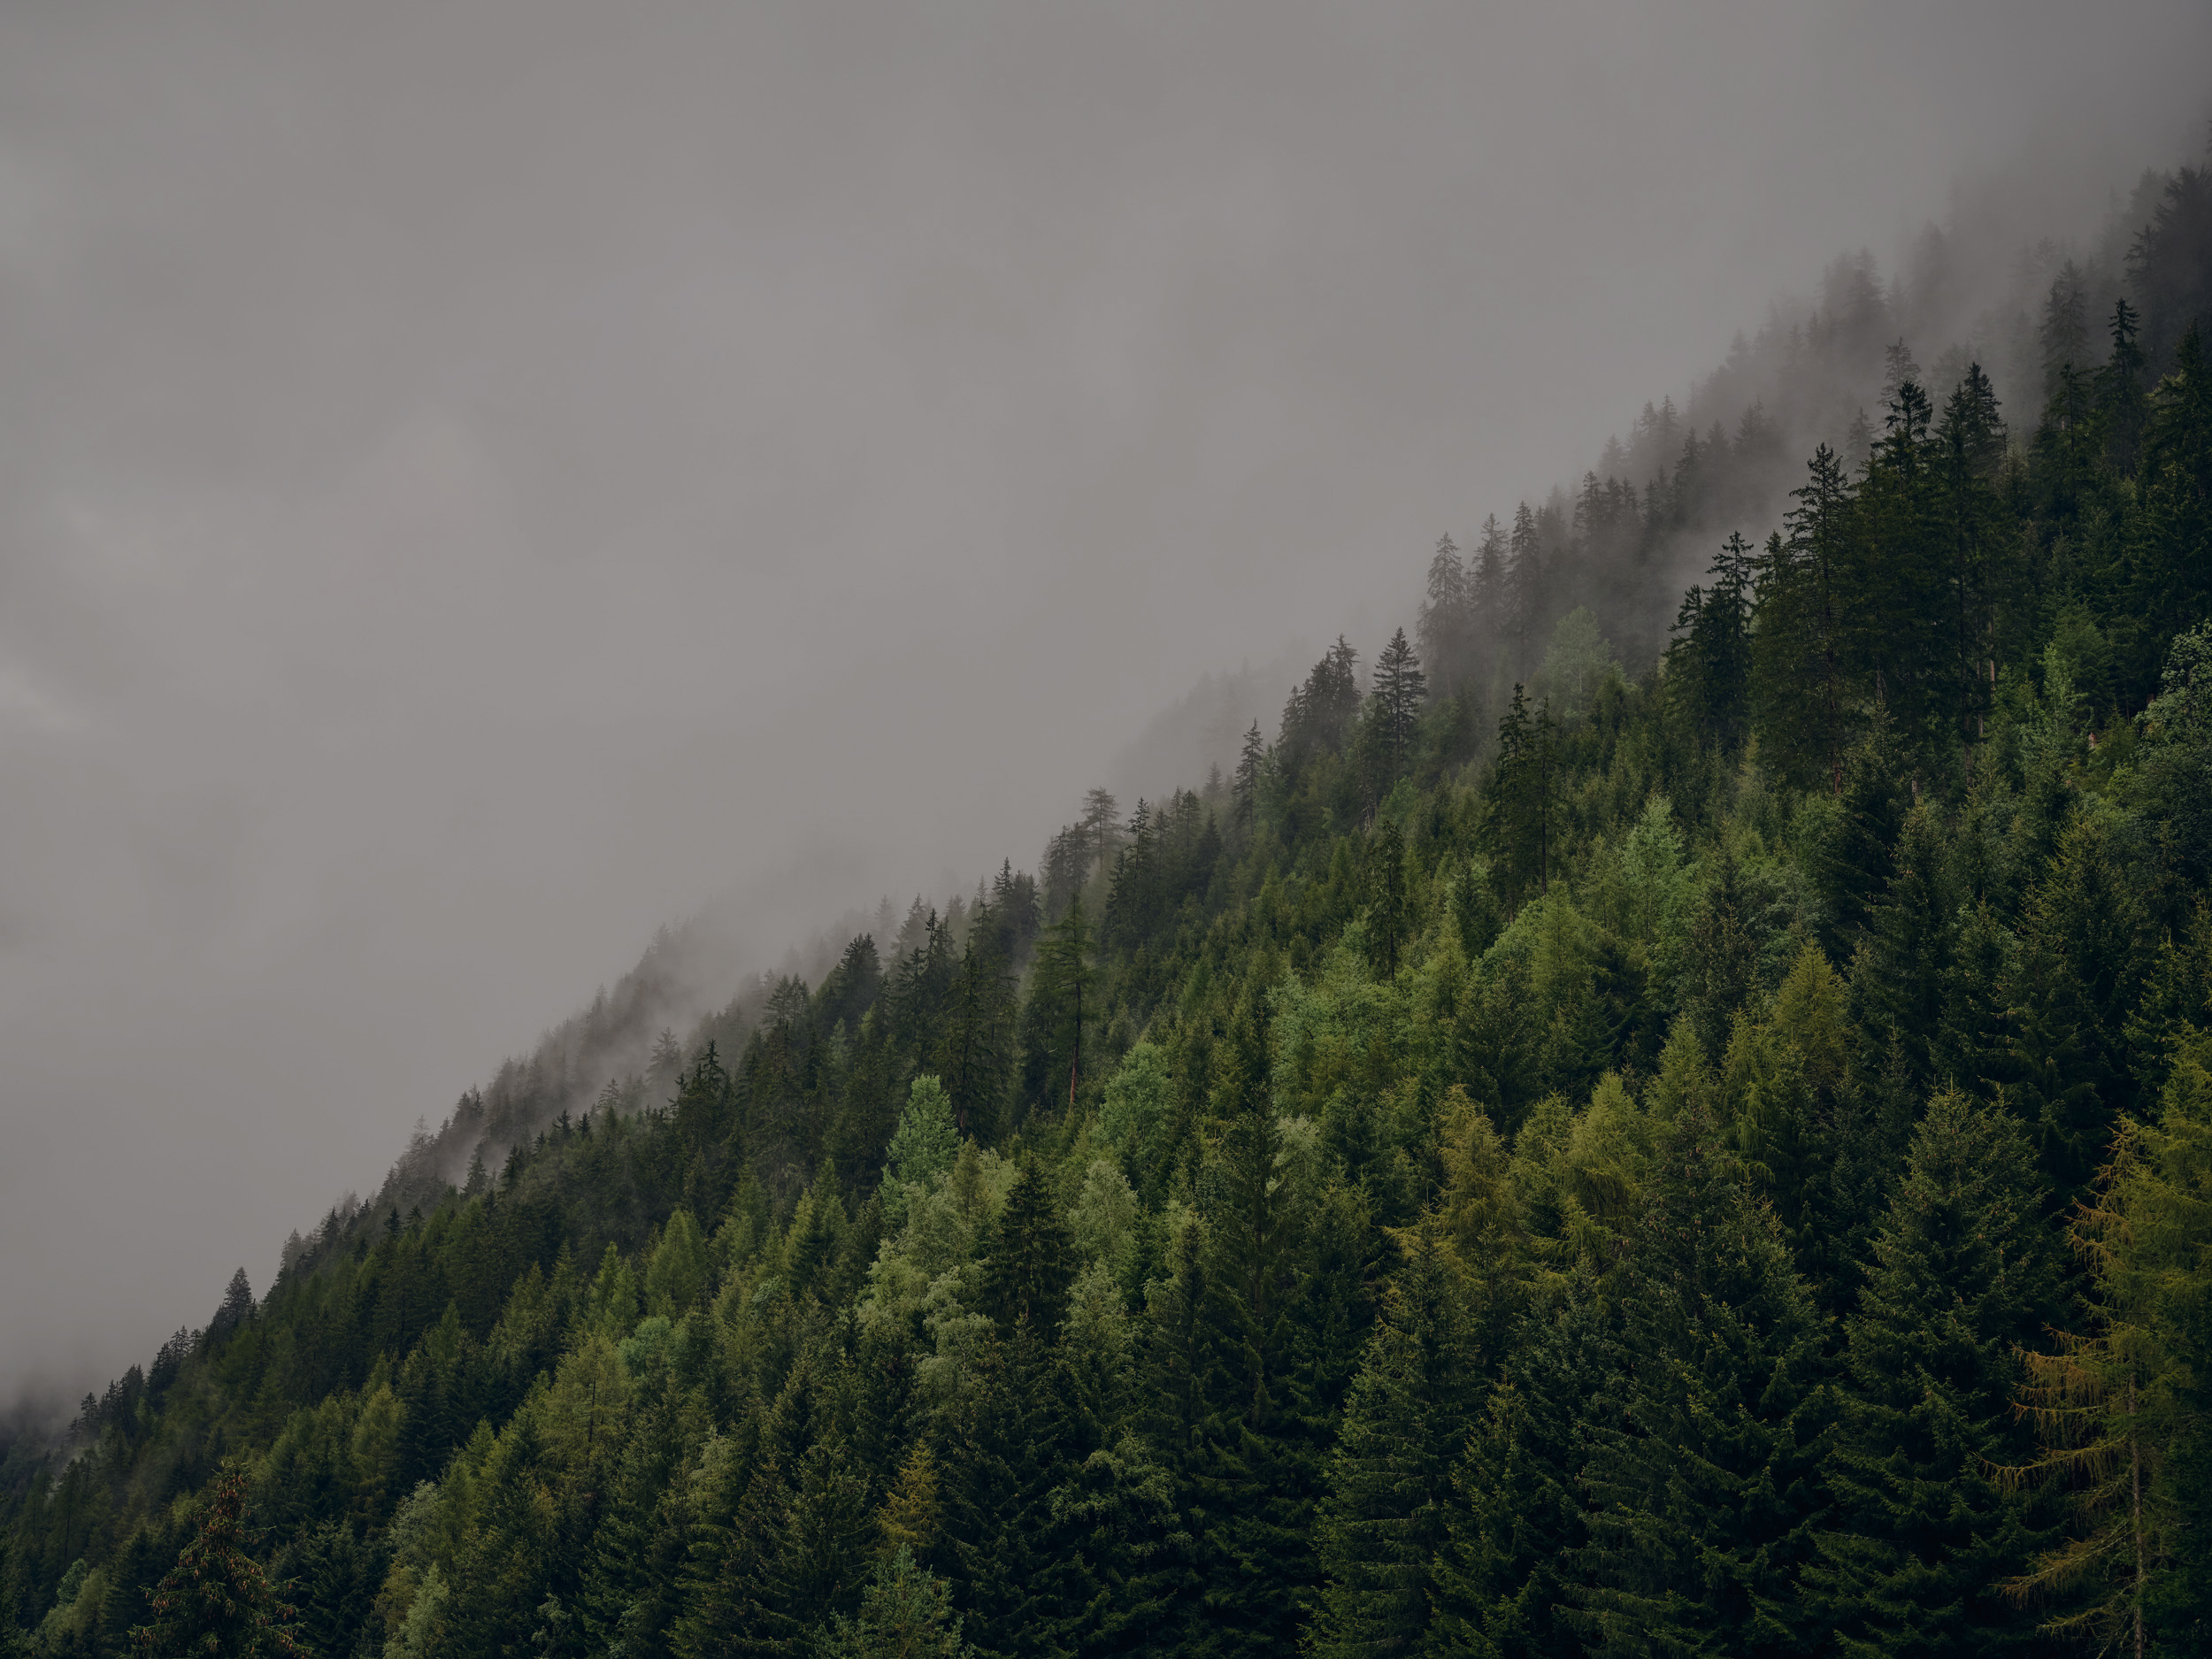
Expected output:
(1641, 1120)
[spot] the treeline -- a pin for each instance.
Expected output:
(1555, 1153)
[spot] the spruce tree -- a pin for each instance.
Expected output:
(1964, 1276)
(1400, 690)
(1907, 970)
(2121, 1408)
(1519, 1503)
(2079, 971)
(1517, 799)
(1706, 1491)
(1026, 1596)
(1797, 670)
(905, 1612)
(1380, 1527)
(1245, 785)
(1030, 1263)
(1444, 621)
(216, 1599)
(1253, 1469)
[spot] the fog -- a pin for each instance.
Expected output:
(480, 481)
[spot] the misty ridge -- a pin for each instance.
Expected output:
(1658, 1100)
(1569, 587)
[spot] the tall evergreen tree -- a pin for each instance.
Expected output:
(1400, 690)
(1384, 1520)
(1964, 1277)
(1708, 1493)
(216, 1599)
(1796, 661)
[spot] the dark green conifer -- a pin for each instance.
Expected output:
(216, 1599)
(2079, 968)
(1384, 1520)
(1705, 1487)
(1963, 1276)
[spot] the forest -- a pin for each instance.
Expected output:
(1641, 1120)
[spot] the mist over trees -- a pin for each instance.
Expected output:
(1668, 1110)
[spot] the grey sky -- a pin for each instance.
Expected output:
(477, 479)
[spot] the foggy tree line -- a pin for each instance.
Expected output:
(1586, 1141)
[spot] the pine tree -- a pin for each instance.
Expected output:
(1893, 631)
(1857, 862)
(978, 1043)
(1907, 971)
(1445, 625)
(1253, 1472)
(1064, 975)
(1101, 826)
(1026, 1596)
(1798, 693)
(822, 1542)
(1486, 598)
(1387, 918)
(1708, 673)
(1970, 447)
(1522, 590)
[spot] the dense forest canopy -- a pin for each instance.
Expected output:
(1642, 1120)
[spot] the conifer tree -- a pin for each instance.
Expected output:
(1707, 1493)
(1906, 972)
(1708, 673)
(1518, 804)
(1797, 670)
(1064, 975)
(2122, 1408)
(1519, 1502)
(1970, 445)
(1029, 1265)
(1246, 785)
(1387, 887)
(1486, 598)
(1024, 1594)
(1523, 589)
(1405, 1427)
(1400, 690)
(977, 1045)
(1964, 1277)
(1253, 1473)
(216, 1599)
(905, 1613)
(2079, 968)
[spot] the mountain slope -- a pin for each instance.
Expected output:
(1475, 1176)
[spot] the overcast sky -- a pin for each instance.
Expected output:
(477, 480)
